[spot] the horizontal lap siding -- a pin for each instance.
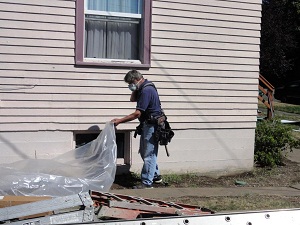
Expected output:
(209, 41)
(205, 57)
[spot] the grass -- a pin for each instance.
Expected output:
(282, 109)
(240, 203)
(289, 108)
(179, 178)
(281, 176)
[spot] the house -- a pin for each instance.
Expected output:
(63, 64)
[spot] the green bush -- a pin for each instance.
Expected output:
(272, 139)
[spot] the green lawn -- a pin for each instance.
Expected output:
(289, 108)
(282, 107)
(284, 111)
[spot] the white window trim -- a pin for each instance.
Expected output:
(115, 14)
(121, 61)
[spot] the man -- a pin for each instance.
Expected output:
(147, 108)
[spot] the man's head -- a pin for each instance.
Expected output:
(132, 76)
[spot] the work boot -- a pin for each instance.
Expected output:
(158, 179)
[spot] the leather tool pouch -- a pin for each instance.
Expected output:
(164, 133)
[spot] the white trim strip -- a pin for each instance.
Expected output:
(116, 14)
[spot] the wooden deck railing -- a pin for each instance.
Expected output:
(266, 90)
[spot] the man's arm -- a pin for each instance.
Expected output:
(136, 114)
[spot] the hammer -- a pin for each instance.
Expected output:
(168, 154)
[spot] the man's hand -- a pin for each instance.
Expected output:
(133, 97)
(116, 121)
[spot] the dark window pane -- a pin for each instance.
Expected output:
(107, 38)
(82, 139)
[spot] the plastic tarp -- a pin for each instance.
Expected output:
(88, 167)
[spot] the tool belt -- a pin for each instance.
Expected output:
(157, 119)
(163, 134)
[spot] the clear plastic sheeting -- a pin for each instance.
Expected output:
(89, 167)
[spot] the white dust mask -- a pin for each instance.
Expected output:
(134, 87)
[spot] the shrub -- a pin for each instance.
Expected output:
(272, 139)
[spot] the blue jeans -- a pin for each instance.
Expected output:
(148, 151)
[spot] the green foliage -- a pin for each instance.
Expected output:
(272, 139)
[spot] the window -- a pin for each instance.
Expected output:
(113, 32)
(84, 138)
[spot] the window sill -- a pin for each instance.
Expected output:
(118, 64)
